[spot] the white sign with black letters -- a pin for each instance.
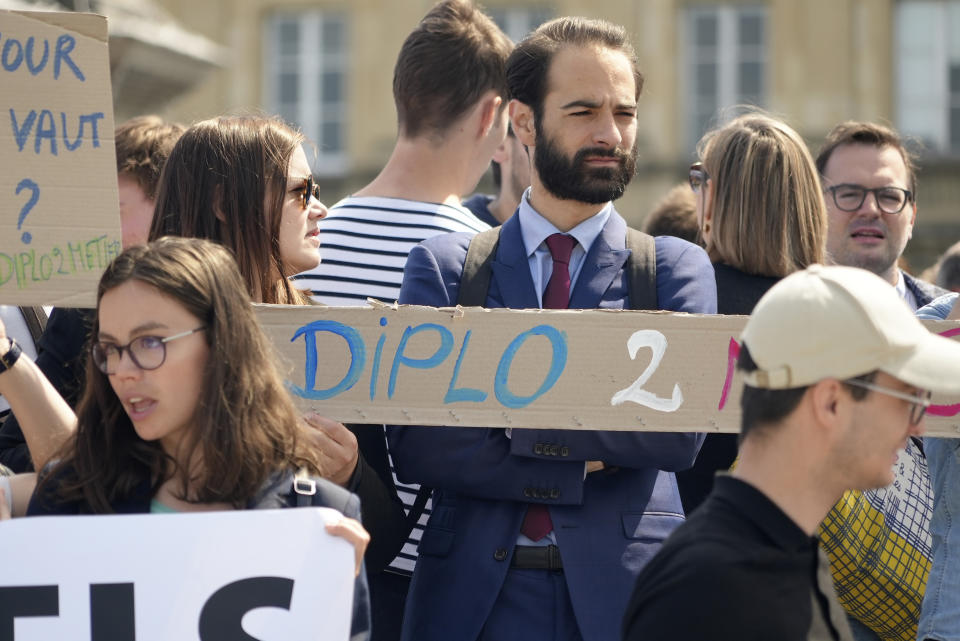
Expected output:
(212, 576)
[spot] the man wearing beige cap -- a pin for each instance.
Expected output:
(838, 375)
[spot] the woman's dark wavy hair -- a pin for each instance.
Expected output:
(245, 423)
(225, 180)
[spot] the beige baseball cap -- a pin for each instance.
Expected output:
(841, 322)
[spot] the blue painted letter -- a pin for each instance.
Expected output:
(446, 345)
(65, 45)
(375, 370)
(49, 131)
(66, 141)
(463, 393)
(92, 119)
(358, 357)
(558, 340)
(37, 68)
(8, 46)
(21, 133)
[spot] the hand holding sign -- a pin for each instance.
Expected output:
(338, 446)
(4, 504)
(353, 533)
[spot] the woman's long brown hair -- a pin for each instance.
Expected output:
(225, 181)
(245, 426)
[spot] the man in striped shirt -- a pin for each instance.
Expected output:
(450, 91)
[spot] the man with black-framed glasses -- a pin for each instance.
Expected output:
(870, 188)
(878, 540)
(837, 378)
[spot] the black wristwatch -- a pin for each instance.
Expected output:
(7, 360)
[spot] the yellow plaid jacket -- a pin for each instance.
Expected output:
(878, 543)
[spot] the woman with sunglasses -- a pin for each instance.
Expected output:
(184, 409)
(762, 216)
(244, 182)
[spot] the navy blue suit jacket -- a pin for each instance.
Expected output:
(607, 525)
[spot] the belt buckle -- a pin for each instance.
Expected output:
(554, 563)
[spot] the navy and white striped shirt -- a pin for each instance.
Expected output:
(365, 242)
(364, 246)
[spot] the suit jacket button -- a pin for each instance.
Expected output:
(554, 493)
(538, 448)
(554, 450)
(564, 451)
(527, 492)
(500, 554)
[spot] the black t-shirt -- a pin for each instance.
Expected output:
(739, 569)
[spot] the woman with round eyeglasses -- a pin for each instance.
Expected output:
(184, 408)
(762, 217)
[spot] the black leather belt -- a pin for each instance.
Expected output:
(537, 557)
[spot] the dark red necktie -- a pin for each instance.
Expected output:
(557, 293)
(537, 523)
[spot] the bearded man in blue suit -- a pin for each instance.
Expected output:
(539, 534)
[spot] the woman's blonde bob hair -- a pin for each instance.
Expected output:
(769, 216)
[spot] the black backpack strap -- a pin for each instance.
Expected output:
(419, 504)
(642, 270)
(475, 280)
(36, 319)
(474, 283)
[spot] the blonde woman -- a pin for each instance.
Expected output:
(762, 216)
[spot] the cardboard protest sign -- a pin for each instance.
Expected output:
(274, 574)
(59, 212)
(560, 369)
(505, 368)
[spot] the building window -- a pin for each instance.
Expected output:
(724, 63)
(518, 22)
(928, 73)
(305, 67)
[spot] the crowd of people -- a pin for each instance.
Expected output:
(828, 517)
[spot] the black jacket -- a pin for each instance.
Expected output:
(61, 356)
(737, 293)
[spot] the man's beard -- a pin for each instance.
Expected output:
(571, 179)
